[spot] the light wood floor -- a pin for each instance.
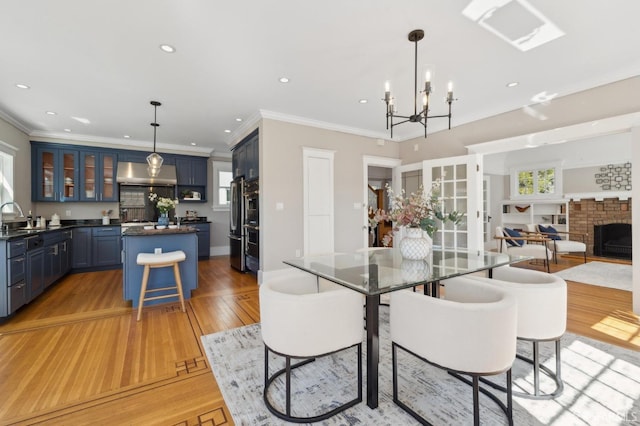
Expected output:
(77, 355)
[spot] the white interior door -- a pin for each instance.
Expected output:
(460, 190)
(318, 201)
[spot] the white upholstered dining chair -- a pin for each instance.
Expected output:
(472, 331)
(542, 317)
(303, 320)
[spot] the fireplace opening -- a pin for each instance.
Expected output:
(612, 240)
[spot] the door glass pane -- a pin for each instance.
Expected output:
(47, 174)
(90, 175)
(436, 173)
(461, 171)
(69, 164)
(107, 173)
(447, 173)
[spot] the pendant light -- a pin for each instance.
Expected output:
(154, 159)
(422, 115)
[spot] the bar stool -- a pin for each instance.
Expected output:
(160, 260)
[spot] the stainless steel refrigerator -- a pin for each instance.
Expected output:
(236, 228)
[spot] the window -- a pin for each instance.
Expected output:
(6, 180)
(536, 182)
(222, 177)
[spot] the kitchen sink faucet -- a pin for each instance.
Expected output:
(1, 216)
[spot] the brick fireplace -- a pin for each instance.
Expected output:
(585, 214)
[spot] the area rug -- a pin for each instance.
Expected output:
(602, 385)
(604, 274)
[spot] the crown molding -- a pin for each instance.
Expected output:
(294, 119)
(130, 144)
(15, 123)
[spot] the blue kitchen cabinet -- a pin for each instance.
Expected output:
(56, 174)
(191, 173)
(96, 248)
(98, 176)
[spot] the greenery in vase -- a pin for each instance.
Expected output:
(163, 204)
(418, 210)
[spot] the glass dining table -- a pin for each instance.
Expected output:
(374, 272)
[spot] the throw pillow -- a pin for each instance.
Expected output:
(515, 234)
(550, 230)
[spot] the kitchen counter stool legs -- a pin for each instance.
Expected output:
(160, 260)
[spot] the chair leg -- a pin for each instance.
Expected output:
(510, 397)
(476, 404)
(176, 274)
(143, 290)
(288, 385)
(536, 369)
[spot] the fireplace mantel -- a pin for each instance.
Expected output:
(598, 196)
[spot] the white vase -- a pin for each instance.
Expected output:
(415, 270)
(414, 245)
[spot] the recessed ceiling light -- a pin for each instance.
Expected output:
(363, 101)
(512, 84)
(193, 144)
(51, 113)
(227, 131)
(283, 80)
(22, 86)
(126, 136)
(238, 119)
(167, 48)
(67, 130)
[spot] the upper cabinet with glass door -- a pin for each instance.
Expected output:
(56, 173)
(97, 176)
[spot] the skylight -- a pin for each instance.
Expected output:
(514, 21)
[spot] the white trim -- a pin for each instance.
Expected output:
(272, 115)
(216, 167)
(598, 196)
(15, 123)
(590, 129)
(219, 250)
(369, 160)
(513, 181)
(130, 144)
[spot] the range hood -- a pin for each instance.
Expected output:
(136, 174)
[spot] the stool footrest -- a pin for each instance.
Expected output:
(164, 296)
(151, 290)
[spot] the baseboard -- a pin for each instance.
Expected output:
(219, 251)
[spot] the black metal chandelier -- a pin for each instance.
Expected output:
(154, 159)
(418, 116)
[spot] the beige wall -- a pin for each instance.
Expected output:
(281, 147)
(22, 163)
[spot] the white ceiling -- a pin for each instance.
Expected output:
(100, 61)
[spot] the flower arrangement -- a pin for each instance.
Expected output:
(418, 210)
(162, 203)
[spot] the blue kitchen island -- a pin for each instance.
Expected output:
(139, 240)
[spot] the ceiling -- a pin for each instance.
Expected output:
(97, 64)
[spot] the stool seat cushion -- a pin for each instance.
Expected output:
(160, 258)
